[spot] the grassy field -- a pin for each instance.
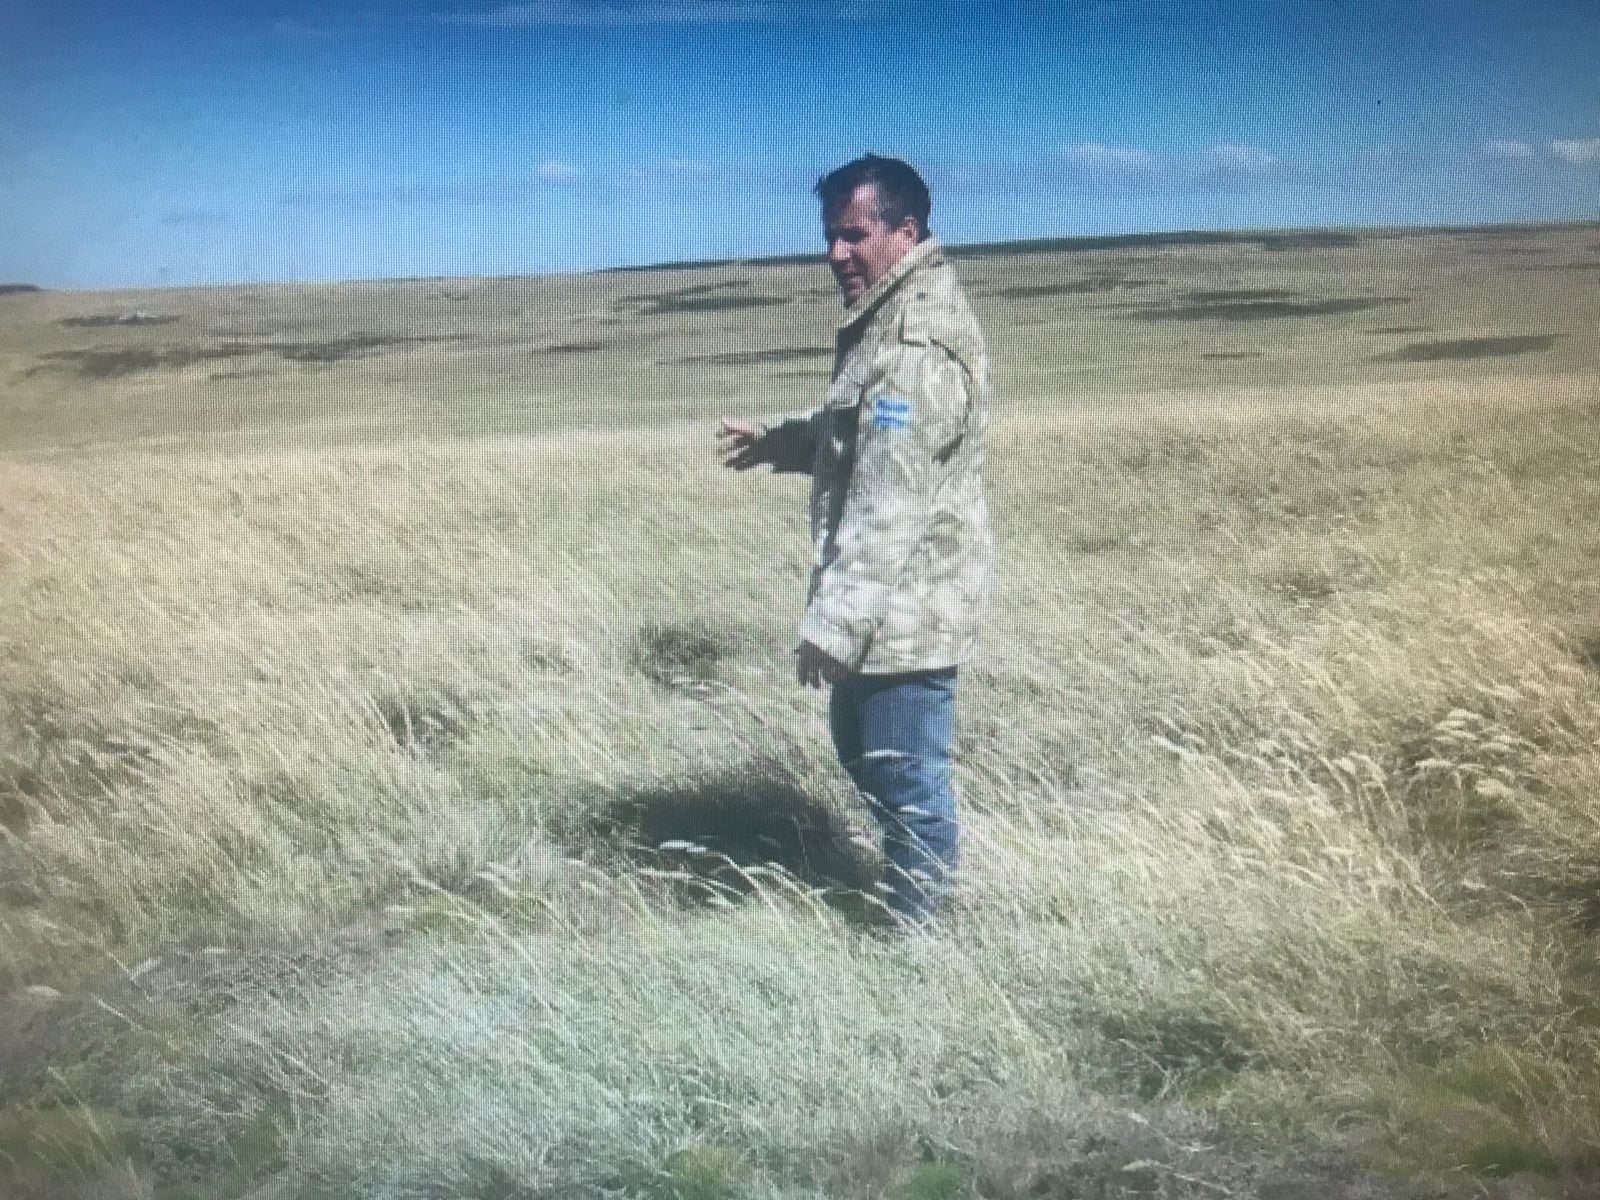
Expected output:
(404, 793)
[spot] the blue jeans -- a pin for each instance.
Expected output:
(893, 734)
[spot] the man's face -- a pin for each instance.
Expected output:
(861, 248)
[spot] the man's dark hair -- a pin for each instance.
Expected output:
(901, 191)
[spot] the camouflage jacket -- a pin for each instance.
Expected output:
(903, 553)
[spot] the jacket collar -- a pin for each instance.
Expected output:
(927, 251)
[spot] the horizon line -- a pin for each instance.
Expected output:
(1292, 237)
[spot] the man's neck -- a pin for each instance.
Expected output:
(873, 296)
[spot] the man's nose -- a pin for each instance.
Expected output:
(838, 250)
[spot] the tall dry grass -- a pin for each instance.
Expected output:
(441, 820)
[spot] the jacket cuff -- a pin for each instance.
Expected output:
(789, 444)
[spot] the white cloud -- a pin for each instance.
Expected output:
(580, 14)
(1234, 159)
(1093, 156)
(1578, 153)
(1507, 148)
(554, 171)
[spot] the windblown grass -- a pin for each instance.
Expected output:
(440, 818)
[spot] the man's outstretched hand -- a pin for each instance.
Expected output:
(815, 667)
(739, 445)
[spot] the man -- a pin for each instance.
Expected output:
(900, 529)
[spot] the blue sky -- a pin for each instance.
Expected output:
(203, 141)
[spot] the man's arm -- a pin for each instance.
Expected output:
(913, 415)
(788, 446)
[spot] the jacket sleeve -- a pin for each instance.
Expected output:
(791, 444)
(913, 416)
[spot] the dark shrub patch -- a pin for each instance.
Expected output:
(675, 653)
(345, 347)
(1303, 585)
(1177, 1050)
(1091, 285)
(113, 362)
(1090, 542)
(97, 320)
(575, 347)
(1495, 250)
(682, 264)
(750, 358)
(129, 360)
(1261, 310)
(1235, 295)
(1310, 239)
(423, 719)
(713, 304)
(702, 297)
(1586, 649)
(1485, 347)
(18, 289)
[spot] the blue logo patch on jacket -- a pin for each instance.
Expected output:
(891, 412)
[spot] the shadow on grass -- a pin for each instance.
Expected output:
(719, 833)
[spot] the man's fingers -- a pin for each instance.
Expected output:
(816, 668)
(805, 667)
(738, 442)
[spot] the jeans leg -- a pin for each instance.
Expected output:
(844, 720)
(905, 725)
